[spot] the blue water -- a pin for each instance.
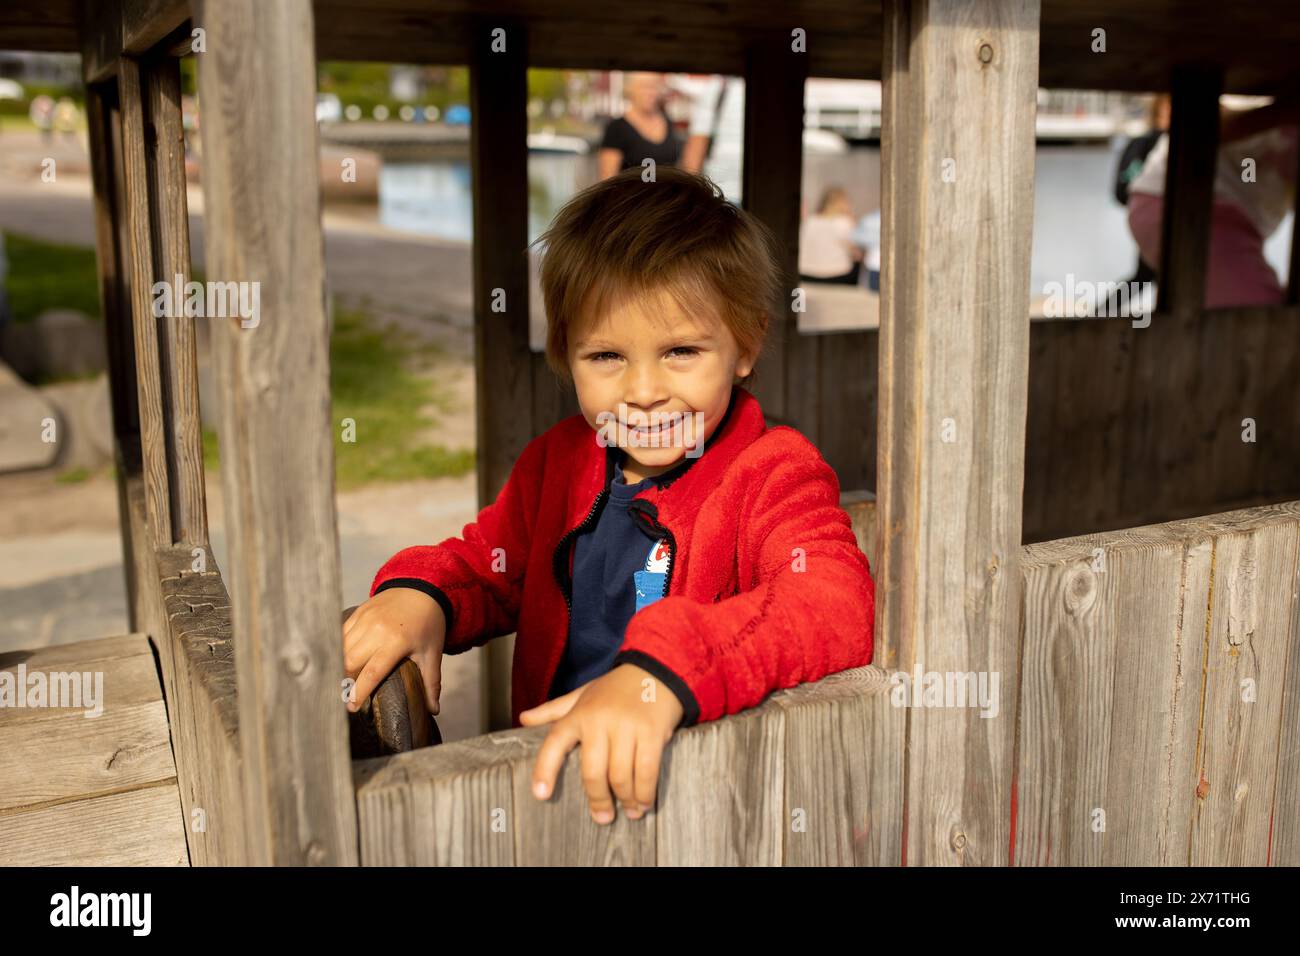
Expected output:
(1078, 226)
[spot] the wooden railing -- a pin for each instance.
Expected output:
(1155, 727)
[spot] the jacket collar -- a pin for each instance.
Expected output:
(676, 494)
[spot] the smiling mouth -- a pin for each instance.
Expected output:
(670, 423)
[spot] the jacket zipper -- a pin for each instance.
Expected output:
(560, 549)
(650, 516)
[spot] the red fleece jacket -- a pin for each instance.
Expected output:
(766, 586)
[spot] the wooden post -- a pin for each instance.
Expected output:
(119, 337)
(153, 428)
(262, 190)
(772, 179)
(171, 248)
(1189, 188)
(960, 80)
(503, 363)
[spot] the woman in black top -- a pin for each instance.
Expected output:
(642, 132)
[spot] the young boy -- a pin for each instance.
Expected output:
(664, 558)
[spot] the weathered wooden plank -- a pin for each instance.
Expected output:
(1156, 701)
(844, 747)
(179, 361)
(552, 833)
(100, 39)
(194, 612)
(120, 340)
(450, 805)
(771, 178)
(1252, 608)
(262, 210)
(1285, 846)
(145, 23)
(504, 365)
(957, 161)
(721, 793)
(71, 757)
(140, 257)
(134, 828)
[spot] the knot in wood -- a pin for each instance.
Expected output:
(986, 53)
(296, 663)
(958, 840)
(1080, 590)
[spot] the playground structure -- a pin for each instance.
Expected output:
(1145, 643)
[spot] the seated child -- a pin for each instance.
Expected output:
(664, 558)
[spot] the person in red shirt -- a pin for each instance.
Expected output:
(664, 557)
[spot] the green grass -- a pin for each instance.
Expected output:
(73, 475)
(375, 381)
(48, 275)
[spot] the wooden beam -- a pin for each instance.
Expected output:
(146, 23)
(262, 208)
(957, 177)
(140, 255)
(771, 181)
(1189, 188)
(111, 29)
(171, 249)
(503, 363)
(118, 334)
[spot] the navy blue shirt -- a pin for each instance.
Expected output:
(617, 570)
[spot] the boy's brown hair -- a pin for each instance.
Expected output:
(625, 238)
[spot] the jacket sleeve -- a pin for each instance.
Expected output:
(477, 579)
(812, 612)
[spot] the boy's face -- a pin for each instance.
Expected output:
(663, 374)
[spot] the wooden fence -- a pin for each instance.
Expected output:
(1156, 713)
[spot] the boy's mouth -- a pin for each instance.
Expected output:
(659, 423)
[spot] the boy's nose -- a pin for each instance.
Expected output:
(645, 391)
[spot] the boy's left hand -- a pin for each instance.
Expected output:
(622, 735)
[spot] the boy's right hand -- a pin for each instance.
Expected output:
(394, 624)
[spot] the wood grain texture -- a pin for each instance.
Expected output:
(724, 793)
(140, 258)
(134, 828)
(957, 174)
(177, 351)
(1132, 694)
(1247, 644)
(262, 224)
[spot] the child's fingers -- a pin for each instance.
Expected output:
(622, 753)
(430, 664)
(595, 776)
(349, 621)
(649, 754)
(379, 666)
(551, 710)
(562, 738)
(358, 650)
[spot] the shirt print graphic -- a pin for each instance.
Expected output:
(650, 580)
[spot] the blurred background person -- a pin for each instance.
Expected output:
(827, 252)
(1254, 181)
(644, 131)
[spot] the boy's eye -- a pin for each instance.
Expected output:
(683, 351)
(603, 356)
